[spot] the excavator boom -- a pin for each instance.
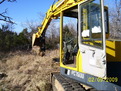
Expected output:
(53, 13)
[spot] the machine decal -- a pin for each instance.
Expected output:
(77, 74)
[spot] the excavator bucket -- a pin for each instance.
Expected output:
(38, 45)
(35, 47)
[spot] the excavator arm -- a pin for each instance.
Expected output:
(52, 13)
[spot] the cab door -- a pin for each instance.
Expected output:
(92, 37)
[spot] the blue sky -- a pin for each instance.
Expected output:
(24, 10)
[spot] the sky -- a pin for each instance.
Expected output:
(22, 11)
(28, 10)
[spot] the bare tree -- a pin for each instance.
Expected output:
(53, 30)
(3, 16)
(31, 25)
(7, 27)
(115, 20)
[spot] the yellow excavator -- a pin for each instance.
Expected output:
(89, 57)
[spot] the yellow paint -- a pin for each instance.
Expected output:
(67, 67)
(110, 52)
(113, 48)
(79, 61)
(110, 44)
(61, 32)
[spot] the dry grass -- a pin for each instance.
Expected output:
(28, 72)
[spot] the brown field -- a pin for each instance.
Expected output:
(24, 71)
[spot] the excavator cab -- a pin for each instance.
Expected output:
(90, 63)
(88, 40)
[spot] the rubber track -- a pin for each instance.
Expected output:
(68, 84)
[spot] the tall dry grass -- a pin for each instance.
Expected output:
(28, 72)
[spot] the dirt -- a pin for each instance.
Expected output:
(24, 71)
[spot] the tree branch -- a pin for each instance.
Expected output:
(6, 18)
(2, 1)
(3, 17)
(7, 0)
(11, 0)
